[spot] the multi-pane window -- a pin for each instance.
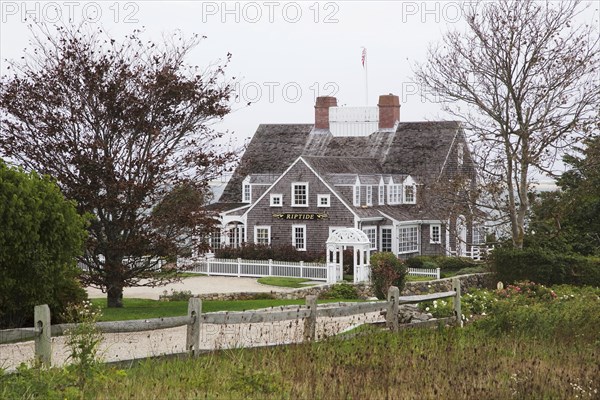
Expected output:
(395, 194)
(247, 193)
(371, 233)
(262, 235)
(215, 239)
(236, 236)
(299, 237)
(276, 200)
(478, 235)
(435, 234)
(300, 194)
(408, 239)
(381, 195)
(386, 239)
(323, 200)
(409, 194)
(356, 195)
(369, 195)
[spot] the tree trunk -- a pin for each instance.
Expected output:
(114, 296)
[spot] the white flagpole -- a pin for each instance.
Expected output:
(365, 65)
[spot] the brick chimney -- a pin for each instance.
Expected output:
(322, 111)
(389, 111)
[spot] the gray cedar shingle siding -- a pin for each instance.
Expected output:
(317, 231)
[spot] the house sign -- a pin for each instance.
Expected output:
(300, 216)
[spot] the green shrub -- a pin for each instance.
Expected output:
(40, 236)
(341, 291)
(511, 265)
(455, 263)
(386, 270)
(422, 262)
(176, 295)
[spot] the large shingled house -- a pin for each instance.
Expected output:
(356, 167)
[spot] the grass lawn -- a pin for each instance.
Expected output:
(145, 308)
(417, 278)
(284, 282)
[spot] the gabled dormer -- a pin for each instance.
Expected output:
(356, 192)
(246, 190)
(395, 192)
(381, 192)
(410, 191)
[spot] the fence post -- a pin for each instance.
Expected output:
(301, 269)
(207, 266)
(310, 322)
(192, 341)
(438, 272)
(239, 261)
(457, 309)
(270, 267)
(43, 339)
(392, 311)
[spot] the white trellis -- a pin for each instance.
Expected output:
(337, 241)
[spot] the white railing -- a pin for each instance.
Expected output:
(260, 268)
(432, 272)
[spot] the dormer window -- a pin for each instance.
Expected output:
(410, 191)
(357, 195)
(381, 193)
(369, 195)
(394, 194)
(410, 194)
(246, 191)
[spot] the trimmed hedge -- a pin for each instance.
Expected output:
(548, 268)
(447, 264)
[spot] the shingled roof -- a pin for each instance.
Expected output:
(414, 148)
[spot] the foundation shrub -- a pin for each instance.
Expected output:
(341, 291)
(386, 270)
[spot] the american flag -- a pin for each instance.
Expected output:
(364, 56)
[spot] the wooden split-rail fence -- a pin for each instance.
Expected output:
(43, 331)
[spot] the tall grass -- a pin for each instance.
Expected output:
(526, 349)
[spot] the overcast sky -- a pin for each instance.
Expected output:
(285, 53)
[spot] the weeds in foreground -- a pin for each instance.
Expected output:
(522, 349)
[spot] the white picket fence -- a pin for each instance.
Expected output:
(260, 268)
(432, 272)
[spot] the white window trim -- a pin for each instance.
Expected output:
(268, 228)
(381, 194)
(294, 227)
(293, 202)
(356, 195)
(276, 196)
(369, 194)
(404, 197)
(415, 250)
(321, 197)
(391, 229)
(371, 229)
(431, 228)
(399, 197)
(244, 199)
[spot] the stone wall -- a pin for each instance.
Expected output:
(468, 282)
